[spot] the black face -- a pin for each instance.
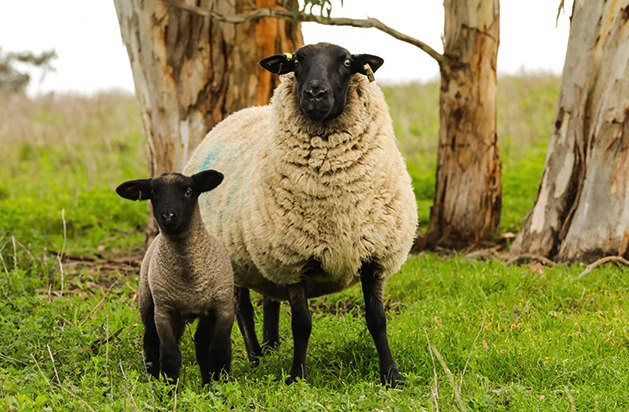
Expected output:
(323, 72)
(173, 196)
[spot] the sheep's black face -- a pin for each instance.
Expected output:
(173, 196)
(323, 72)
(323, 75)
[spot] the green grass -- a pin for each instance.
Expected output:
(512, 338)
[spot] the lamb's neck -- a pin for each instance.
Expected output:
(189, 241)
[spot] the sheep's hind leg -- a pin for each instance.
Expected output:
(271, 325)
(301, 325)
(377, 324)
(246, 324)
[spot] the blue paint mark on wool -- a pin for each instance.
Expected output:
(210, 158)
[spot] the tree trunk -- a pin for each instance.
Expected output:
(581, 212)
(191, 71)
(468, 198)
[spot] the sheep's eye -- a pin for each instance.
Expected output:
(347, 63)
(188, 192)
(296, 62)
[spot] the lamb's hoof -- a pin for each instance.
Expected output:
(393, 380)
(292, 379)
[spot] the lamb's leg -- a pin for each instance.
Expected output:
(151, 339)
(373, 289)
(271, 325)
(169, 328)
(202, 341)
(301, 325)
(246, 324)
(221, 347)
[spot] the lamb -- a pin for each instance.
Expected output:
(185, 274)
(318, 198)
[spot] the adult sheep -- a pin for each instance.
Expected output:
(316, 197)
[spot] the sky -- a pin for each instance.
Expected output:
(92, 57)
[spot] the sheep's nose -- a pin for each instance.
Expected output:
(316, 92)
(168, 215)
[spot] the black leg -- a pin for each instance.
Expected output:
(151, 339)
(377, 324)
(246, 324)
(301, 324)
(169, 328)
(202, 341)
(271, 325)
(221, 347)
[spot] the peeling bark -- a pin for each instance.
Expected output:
(581, 212)
(468, 196)
(191, 71)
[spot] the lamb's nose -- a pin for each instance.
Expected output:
(168, 215)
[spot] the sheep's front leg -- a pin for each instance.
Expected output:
(271, 325)
(246, 324)
(373, 289)
(169, 328)
(301, 325)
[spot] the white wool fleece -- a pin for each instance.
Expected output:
(296, 190)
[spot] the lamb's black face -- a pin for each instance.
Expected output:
(323, 72)
(173, 196)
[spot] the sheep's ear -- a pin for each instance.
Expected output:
(135, 189)
(360, 60)
(207, 180)
(279, 63)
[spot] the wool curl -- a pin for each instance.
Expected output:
(299, 193)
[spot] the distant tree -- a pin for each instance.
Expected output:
(14, 75)
(468, 199)
(581, 212)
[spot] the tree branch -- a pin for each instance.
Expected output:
(262, 13)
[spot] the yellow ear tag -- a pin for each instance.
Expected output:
(369, 72)
(289, 56)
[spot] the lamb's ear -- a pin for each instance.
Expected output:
(135, 189)
(279, 63)
(207, 180)
(360, 60)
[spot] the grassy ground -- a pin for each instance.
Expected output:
(468, 335)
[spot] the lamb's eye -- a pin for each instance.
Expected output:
(296, 62)
(188, 192)
(347, 63)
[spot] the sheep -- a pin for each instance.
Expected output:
(318, 198)
(186, 273)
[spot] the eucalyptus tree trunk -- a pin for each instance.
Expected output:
(468, 198)
(581, 212)
(191, 71)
